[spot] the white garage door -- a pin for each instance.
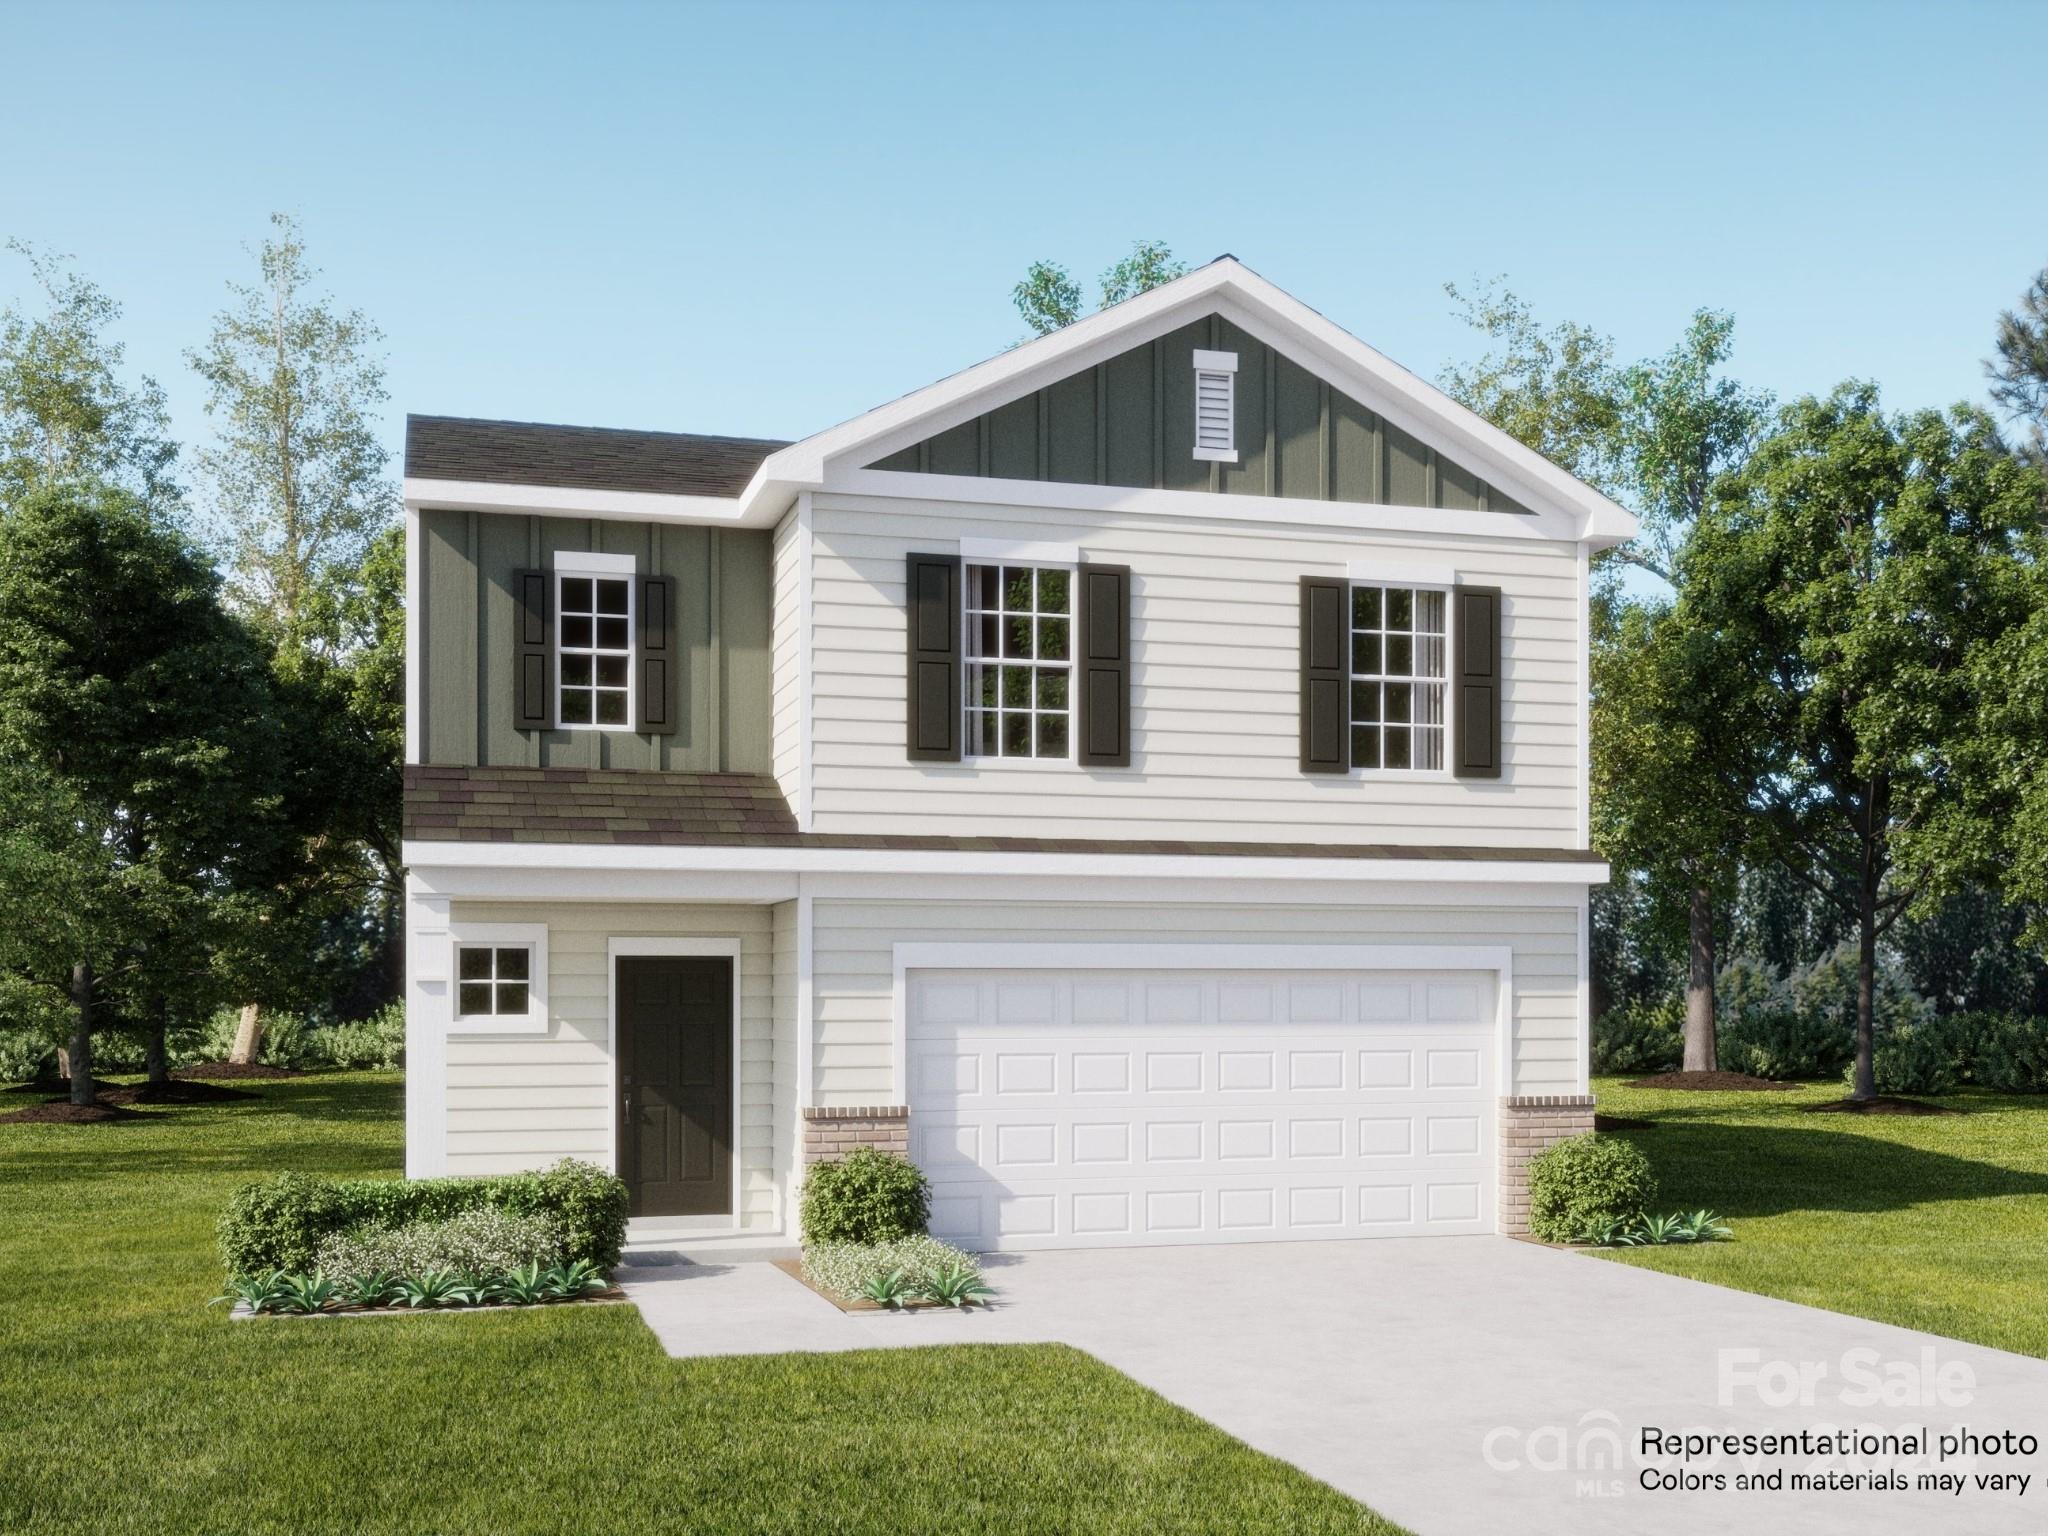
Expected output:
(1115, 1108)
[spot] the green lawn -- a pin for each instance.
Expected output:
(125, 1405)
(1935, 1222)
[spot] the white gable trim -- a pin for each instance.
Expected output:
(1256, 306)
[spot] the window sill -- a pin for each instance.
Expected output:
(498, 1024)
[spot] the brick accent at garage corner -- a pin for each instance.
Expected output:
(1528, 1124)
(832, 1133)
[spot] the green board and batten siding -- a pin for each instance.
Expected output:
(722, 579)
(1131, 421)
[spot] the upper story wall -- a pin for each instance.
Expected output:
(464, 636)
(1130, 421)
(1215, 685)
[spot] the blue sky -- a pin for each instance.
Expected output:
(761, 219)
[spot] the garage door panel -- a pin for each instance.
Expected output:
(1069, 1110)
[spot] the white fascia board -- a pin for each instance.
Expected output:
(1255, 305)
(432, 862)
(579, 501)
(1366, 517)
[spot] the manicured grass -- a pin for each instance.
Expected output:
(1937, 1222)
(129, 1407)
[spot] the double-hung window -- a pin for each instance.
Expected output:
(1400, 664)
(594, 641)
(1019, 661)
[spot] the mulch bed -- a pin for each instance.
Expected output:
(1713, 1082)
(229, 1071)
(610, 1296)
(64, 1112)
(1622, 1123)
(46, 1086)
(177, 1091)
(1883, 1104)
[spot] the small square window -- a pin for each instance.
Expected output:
(493, 980)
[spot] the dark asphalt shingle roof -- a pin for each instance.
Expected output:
(596, 458)
(615, 806)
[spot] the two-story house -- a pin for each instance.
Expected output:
(1143, 777)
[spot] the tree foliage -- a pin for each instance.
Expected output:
(296, 483)
(1049, 297)
(1850, 574)
(65, 411)
(2019, 370)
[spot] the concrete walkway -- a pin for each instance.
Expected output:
(1461, 1386)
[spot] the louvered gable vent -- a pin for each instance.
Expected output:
(1216, 406)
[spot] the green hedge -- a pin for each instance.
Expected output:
(278, 1222)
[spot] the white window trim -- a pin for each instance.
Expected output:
(717, 949)
(1362, 574)
(1018, 552)
(572, 564)
(971, 758)
(534, 936)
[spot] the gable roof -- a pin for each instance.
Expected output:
(593, 458)
(1227, 287)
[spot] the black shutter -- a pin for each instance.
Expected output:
(1478, 683)
(533, 656)
(658, 661)
(1325, 675)
(1103, 653)
(933, 625)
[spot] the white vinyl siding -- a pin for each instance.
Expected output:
(524, 1101)
(788, 1127)
(1215, 687)
(786, 596)
(853, 964)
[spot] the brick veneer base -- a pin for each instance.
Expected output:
(832, 1133)
(1528, 1124)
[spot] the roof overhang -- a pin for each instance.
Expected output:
(837, 458)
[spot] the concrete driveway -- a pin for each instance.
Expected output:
(1466, 1386)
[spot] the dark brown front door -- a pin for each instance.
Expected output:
(675, 1083)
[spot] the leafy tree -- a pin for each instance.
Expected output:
(64, 411)
(139, 817)
(2019, 372)
(1672, 758)
(296, 482)
(1655, 433)
(1149, 264)
(1554, 389)
(1049, 297)
(1849, 576)
(301, 499)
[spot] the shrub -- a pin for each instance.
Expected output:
(1781, 1043)
(25, 1054)
(1910, 1058)
(849, 1269)
(866, 1197)
(378, 1041)
(278, 1223)
(486, 1241)
(1578, 1182)
(2011, 1053)
(1640, 1037)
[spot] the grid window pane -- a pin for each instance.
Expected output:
(1019, 616)
(594, 643)
(1400, 660)
(492, 980)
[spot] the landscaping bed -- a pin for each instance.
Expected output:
(1712, 1082)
